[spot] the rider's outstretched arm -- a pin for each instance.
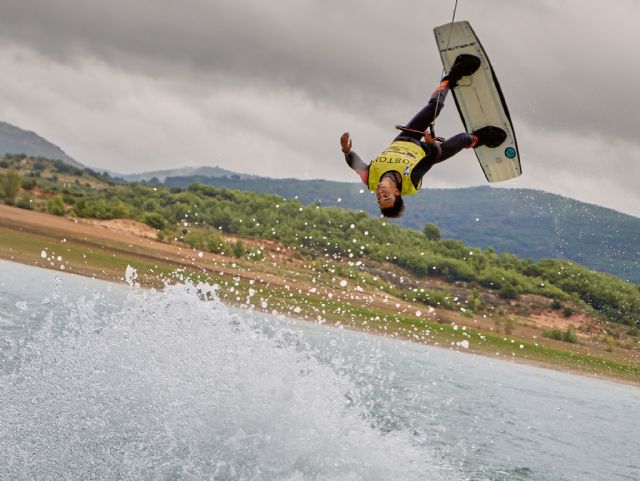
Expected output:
(353, 160)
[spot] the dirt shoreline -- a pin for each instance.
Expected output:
(132, 239)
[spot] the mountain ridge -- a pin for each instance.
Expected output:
(14, 140)
(161, 175)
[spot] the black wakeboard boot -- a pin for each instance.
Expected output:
(465, 64)
(490, 136)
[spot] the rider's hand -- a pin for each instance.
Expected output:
(345, 142)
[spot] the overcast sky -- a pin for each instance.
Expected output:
(268, 87)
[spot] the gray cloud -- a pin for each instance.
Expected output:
(155, 83)
(565, 62)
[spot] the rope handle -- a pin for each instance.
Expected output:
(429, 135)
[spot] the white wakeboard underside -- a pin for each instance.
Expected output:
(480, 101)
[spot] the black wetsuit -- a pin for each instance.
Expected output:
(435, 153)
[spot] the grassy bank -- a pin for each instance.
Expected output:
(290, 284)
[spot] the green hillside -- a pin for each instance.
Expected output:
(197, 215)
(529, 223)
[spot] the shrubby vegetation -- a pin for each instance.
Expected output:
(202, 211)
(431, 231)
(534, 225)
(55, 205)
(9, 186)
(24, 202)
(199, 214)
(569, 335)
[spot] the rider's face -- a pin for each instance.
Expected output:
(386, 193)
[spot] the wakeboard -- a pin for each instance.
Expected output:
(480, 101)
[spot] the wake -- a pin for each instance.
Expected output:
(173, 384)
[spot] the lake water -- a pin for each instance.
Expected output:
(101, 381)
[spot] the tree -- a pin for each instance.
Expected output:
(155, 220)
(431, 232)
(238, 249)
(195, 239)
(28, 183)
(120, 210)
(55, 205)
(24, 202)
(9, 186)
(508, 291)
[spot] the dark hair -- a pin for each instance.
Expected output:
(395, 210)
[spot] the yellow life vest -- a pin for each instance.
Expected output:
(399, 157)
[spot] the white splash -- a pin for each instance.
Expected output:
(130, 276)
(175, 385)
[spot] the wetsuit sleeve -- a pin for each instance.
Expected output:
(356, 163)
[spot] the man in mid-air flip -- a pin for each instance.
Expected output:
(399, 169)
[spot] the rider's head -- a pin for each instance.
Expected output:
(389, 199)
(395, 210)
